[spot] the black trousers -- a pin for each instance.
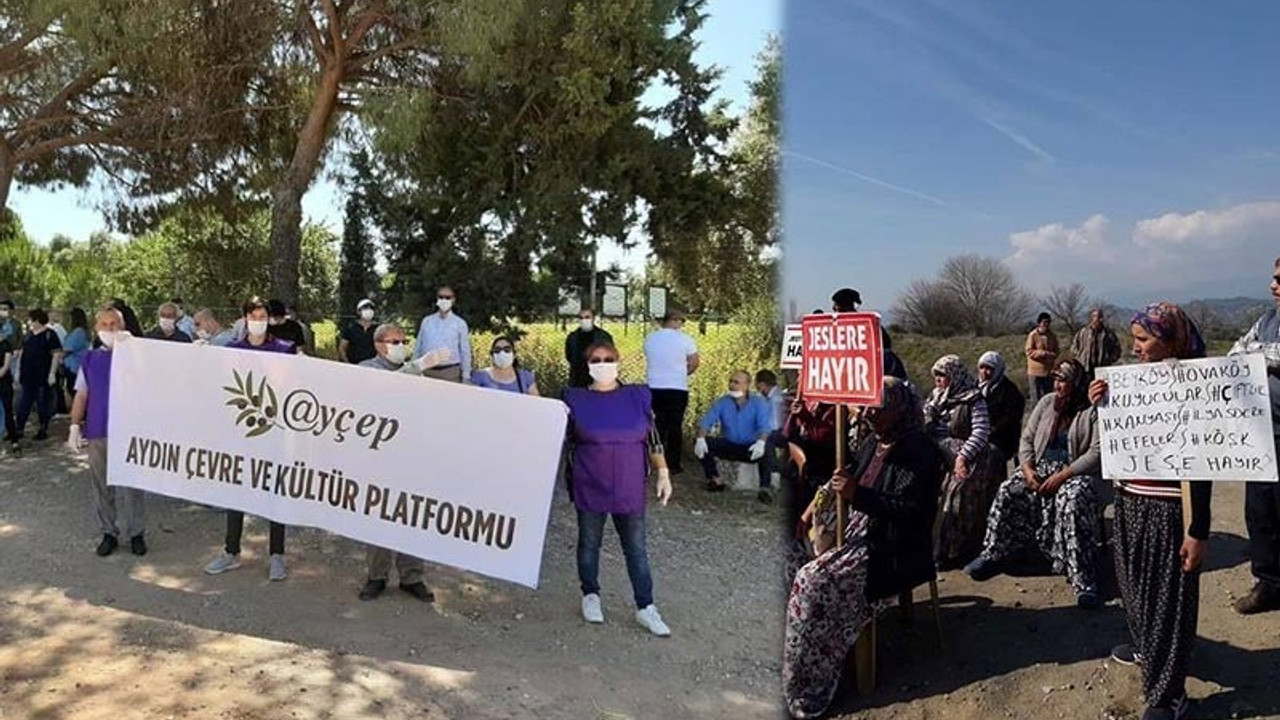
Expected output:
(1262, 517)
(235, 529)
(6, 400)
(668, 413)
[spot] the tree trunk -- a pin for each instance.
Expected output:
(6, 180)
(286, 196)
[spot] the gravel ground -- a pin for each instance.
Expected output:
(83, 637)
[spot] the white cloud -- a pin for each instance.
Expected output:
(1202, 253)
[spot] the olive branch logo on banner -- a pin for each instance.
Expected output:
(258, 407)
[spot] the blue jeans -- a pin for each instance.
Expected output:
(42, 397)
(631, 533)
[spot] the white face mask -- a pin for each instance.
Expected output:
(736, 394)
(202, 333)
(366, 314)
(4, 313)
(504, 359)
(166, 324)
(257, 327)
(604, 373)
(108, 338)
(444, 304)
(587, 325)
(397, 354)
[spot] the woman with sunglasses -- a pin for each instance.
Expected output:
(611, 429)
(505, 373)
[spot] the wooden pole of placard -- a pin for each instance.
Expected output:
(841, 443)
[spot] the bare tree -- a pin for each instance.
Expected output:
(926, 308)
(986, 295)
(1070, 304)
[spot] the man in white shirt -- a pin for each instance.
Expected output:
(671, 357)
(447, 339)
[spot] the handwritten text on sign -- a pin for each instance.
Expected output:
(1191, 420)
(842, 359)
(792, 348)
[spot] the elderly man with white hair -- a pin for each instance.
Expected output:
(89, 428)
(393, 352)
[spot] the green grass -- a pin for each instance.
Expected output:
(919, 352)
(722, 350)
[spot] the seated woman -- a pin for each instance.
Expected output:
(1049, 507)
(891, 487)
(505, 373)
(1005, 403)
(810, 432)
(956, 417)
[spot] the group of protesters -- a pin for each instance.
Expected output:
(618, 434)
(926, 489)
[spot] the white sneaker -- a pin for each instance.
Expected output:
(650, 618)
(275, 568)
(591, 610)
(222, 563)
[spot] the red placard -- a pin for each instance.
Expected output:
(843, 361)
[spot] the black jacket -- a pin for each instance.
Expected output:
(1006, 405)
(901, 506)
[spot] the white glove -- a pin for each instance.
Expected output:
(757, 450)
(74, 439)
(430, 359)
(664, 485)
(53, 377)
(700, 448)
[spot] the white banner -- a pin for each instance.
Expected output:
(454, 474)
(1188, 420)
(792, 347)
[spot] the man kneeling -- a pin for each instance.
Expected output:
(745, 422)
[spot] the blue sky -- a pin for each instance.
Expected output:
(1133, 147)
(735, 31)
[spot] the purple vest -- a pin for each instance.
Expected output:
(610, 431)
(96, 367)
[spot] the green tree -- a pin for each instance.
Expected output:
(357, 276)
(498, 181)
(335, 57)
(97, 84)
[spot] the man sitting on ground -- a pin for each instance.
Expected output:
(745, 424)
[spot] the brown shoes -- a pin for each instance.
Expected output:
(1259, 600)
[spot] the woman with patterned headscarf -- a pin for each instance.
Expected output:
(1050, 506)
(890, 488)
(1157, 561)
(956, 417)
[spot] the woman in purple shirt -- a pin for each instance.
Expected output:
(505, 373)
(258, 339)
(610, 431)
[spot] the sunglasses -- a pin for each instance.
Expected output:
(601, 359)
(503, 348)
(1276, 278)
(394, 342)
(444, 297)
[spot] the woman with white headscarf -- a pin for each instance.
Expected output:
(1005, 403)
(956, 417)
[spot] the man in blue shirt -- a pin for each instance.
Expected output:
(445, 341)
(745, 422)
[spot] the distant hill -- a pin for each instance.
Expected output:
(1220, 317)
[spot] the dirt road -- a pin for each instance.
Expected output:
(82, 637)
(1017, 647)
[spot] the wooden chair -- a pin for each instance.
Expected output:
(864, 651)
